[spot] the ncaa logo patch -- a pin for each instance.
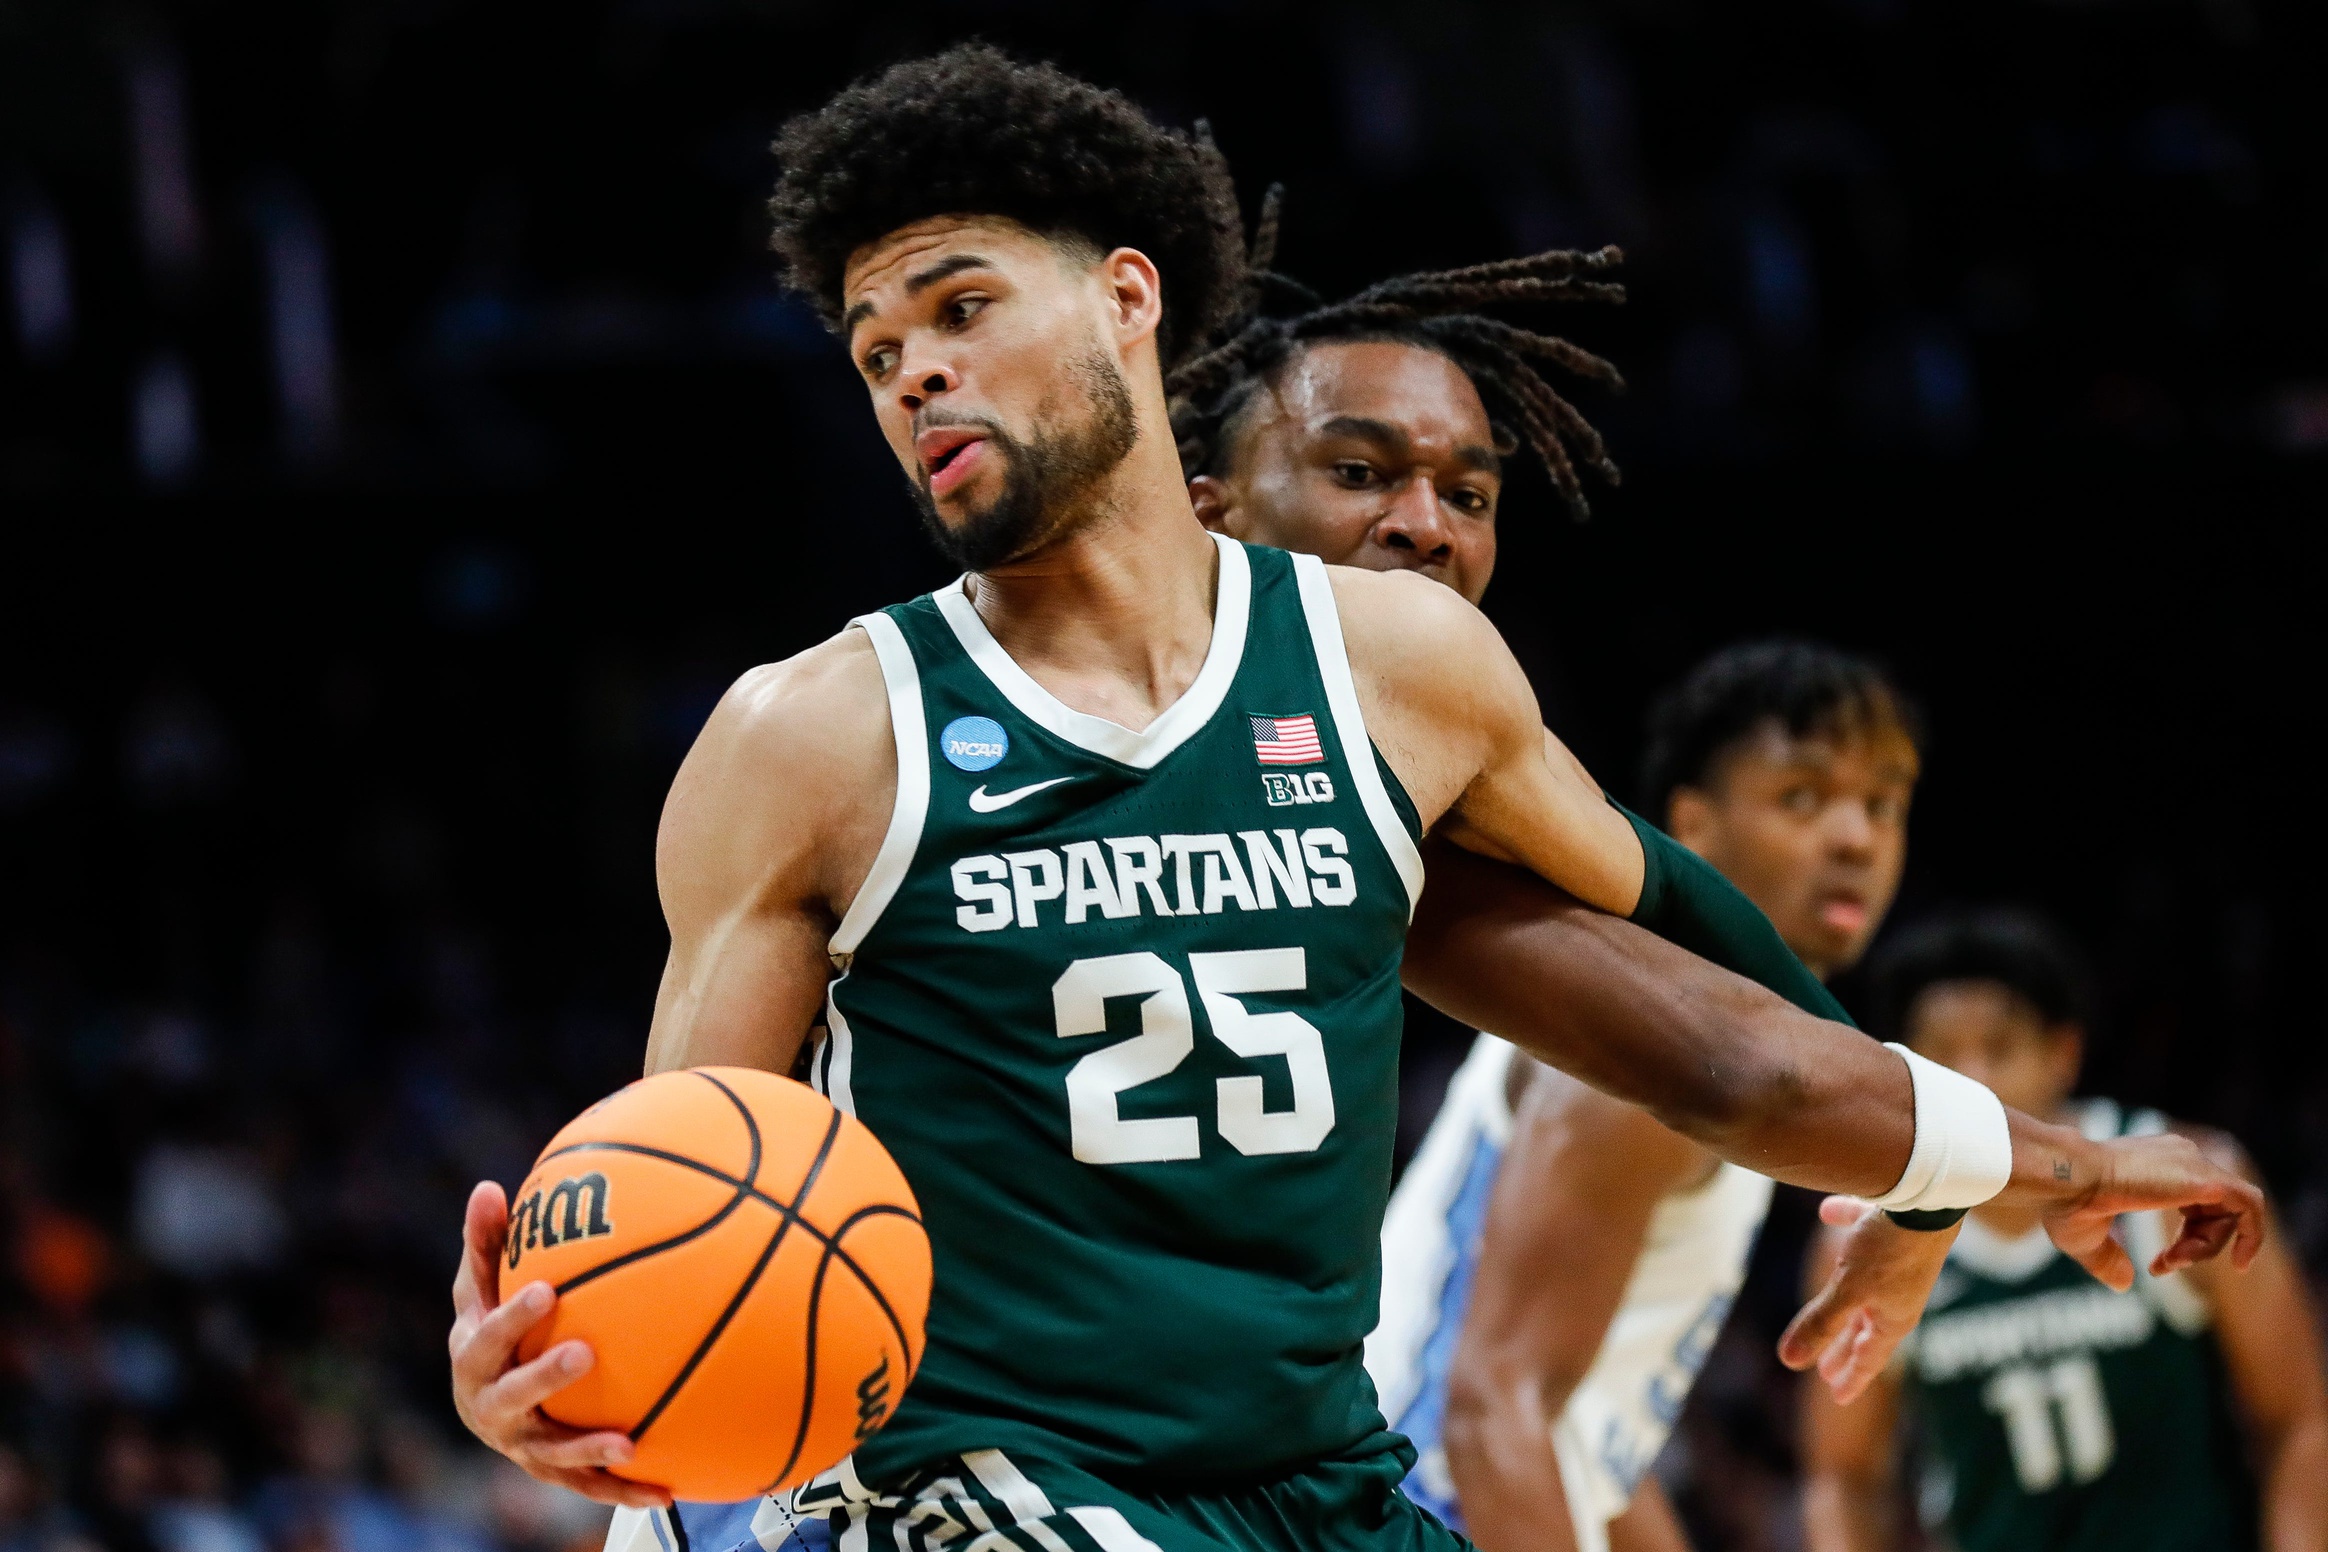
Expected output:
(973, 743)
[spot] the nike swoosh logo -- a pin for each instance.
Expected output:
(980, 803)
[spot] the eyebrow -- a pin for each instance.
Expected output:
(1482, 459)
(915, 285)
(1367, 428)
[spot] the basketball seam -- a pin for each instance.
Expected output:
(744, 1188)
(767, 1254)
(815, 1303)
(684, 1162)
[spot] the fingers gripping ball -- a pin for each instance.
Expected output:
(747, 1263)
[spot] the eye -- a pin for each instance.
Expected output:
(880, 361)
(961, 309)
(1801, 800)
(1355, 473)
(1468, 500)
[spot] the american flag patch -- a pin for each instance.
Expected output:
(1286, 740)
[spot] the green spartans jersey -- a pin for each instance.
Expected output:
(1125, 1008)
(2059, 1414)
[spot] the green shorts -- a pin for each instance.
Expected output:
(987, 1501)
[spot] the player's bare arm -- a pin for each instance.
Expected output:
(770, 828)
(1453, 713)
(1565, 1227)
(2269, 1333)
(1760, 1083)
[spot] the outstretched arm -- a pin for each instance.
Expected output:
(1570, 1212)
(1728, 1064)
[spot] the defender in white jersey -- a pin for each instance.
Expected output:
(1691, 1262)
(1556, 1265)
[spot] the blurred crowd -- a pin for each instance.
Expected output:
(221, 1323)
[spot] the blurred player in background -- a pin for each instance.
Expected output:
(2189, 1412)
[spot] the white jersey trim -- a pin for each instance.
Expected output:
(908, 728)
(635, 1530)
(1144, 749)
(1325, 627)
(837, 1061)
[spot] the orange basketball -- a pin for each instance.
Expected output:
(749, 1266)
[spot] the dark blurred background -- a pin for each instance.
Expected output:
(402, 442)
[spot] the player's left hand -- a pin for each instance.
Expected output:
(1873, 1296)
(2220, 1207)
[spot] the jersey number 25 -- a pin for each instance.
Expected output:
(1100, 1132)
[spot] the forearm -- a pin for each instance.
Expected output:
(1708, 1053)
(1687, 902)
(2295, 1488)
(1845, 1514)
(1507, 1475)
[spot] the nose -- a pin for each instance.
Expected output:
(1415, 524)
(922, 383)
(1850, 832)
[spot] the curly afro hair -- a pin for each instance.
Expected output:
(974, 131)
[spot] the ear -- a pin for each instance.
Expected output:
(1690, 818)
(1135, 293)
(1213, 502)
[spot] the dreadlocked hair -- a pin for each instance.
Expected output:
(1441, 310)
(972, 131)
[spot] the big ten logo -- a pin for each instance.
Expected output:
(1286, 788)
(873, 1400)
(572, 1209)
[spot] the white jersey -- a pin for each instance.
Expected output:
(1674, 1304)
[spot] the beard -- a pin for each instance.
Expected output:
(1048, 477)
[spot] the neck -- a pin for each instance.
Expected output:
(1115, 618)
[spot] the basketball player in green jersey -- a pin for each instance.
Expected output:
(1121, 1002)
(2055, 1413)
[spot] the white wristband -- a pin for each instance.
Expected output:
(1964, 1146)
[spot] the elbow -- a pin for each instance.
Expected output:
(1476, 1414)
(1489, 1401)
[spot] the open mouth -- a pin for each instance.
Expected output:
(948, 454)
(1843, 913)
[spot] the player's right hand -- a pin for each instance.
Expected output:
(499, 1398)
(2220, 1207)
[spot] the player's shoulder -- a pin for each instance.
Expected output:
(1401, 629)
(813, 702)
(1400, 602)
(791, 743)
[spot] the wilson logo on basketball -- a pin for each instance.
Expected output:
(873, 1400)
(558, 1216)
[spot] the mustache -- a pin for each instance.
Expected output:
(935, 418)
